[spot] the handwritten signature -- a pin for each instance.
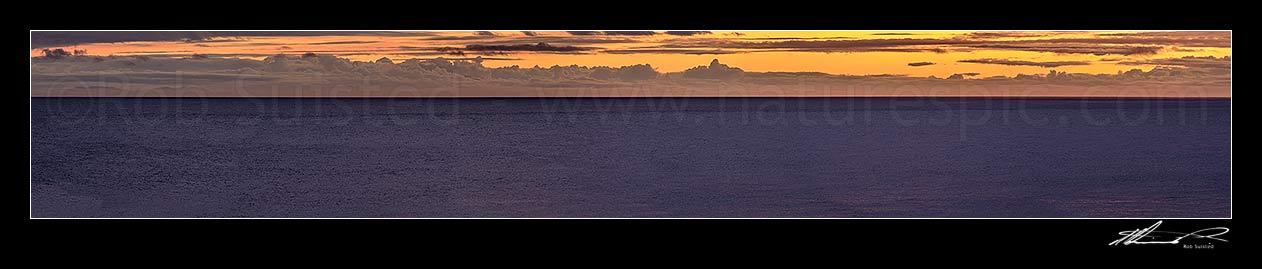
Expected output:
(1153, 236)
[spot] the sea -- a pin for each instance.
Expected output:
(850, 157)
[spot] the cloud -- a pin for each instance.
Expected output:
(688, 33)
(326, 75)
(485, 33)
(962, 75)
(1204, 40)
(670, 51)
(612, 33)
(920, 63)
(1006, 34)
(479, 58)
(798, 38)
(154, 51)
(1113, 45)
(467, 37)
(1024, 63)
(1209, 62)
(214, 40)
(825, 45)
(134, 72)
(537, 47)
(529, 33)
(715, 70)
(848, 45)
(43, 39)
(632, 33)
(567, 40)
(344, 42)
(1221, 39)
(1068, 48)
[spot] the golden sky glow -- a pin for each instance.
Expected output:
(757, 51)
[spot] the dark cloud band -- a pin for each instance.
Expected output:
(1023, 63)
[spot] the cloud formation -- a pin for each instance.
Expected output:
(1006, 34)
(325, 75)
(537, 47)
(44, 39)
(415, 59)
(687, 33)
(1022, 62)
(715, 70)
(670, 51)
(1209, 62)
(612, 33)
(1130, 44)
(1071, 48)
(344, 42)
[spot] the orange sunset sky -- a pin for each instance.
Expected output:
(626, 63)
(833, 52)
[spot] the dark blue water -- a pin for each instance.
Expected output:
(627, 157)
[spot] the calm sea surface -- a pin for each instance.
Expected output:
(631, 157)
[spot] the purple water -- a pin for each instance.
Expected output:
(629, 157)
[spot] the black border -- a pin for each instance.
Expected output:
(1027, 237)
(675, 15)
(837, 237)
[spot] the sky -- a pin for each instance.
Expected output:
(970, 55)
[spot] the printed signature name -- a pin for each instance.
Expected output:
(1151, 235)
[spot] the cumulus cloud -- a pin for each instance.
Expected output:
(962, 75)
(316, 67)
(715, 70)
(1023, 62)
